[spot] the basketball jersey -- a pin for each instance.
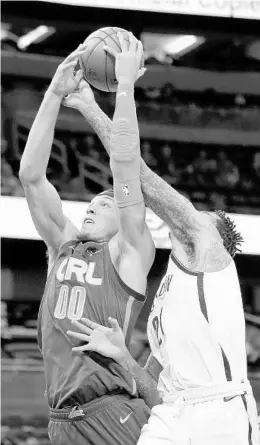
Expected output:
(196, 328)
(83, 283)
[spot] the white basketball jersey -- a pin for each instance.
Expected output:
(196, 328)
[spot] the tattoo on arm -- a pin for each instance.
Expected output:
(100, 122)
(173, 208)
(146, 385)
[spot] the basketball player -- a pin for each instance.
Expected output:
(196, 327)
(98, 271)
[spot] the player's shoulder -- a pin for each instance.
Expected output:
(52, 255)
(207, 256)
(53, 252)
(69, 232)
(212, 254)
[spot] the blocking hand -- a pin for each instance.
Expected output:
(64, 80)
(109, 342)
(127, 63)
(82, 95)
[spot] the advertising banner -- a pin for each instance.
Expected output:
(246, 9)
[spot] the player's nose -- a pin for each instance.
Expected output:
(91, 210)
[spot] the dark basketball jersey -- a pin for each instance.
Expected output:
(83, 283)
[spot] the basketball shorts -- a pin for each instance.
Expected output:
(216, 422)
(109, 420)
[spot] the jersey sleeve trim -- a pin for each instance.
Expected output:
(63, 247)
(182, 267)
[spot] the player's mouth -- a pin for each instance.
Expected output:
(89, 221)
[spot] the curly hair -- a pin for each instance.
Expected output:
(226, 228)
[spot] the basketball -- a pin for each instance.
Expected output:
(97, 65)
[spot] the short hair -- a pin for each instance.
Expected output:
(231, 238)
(108, 192)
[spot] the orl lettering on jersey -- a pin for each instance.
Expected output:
(75, 268)
(71, 299)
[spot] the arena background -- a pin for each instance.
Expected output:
(198, 107)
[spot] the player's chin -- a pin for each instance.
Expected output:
(90, 234)
(85, 234)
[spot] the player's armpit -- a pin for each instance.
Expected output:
(133, 263)
(47, 214)
(136, 254)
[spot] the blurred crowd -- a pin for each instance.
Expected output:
(207, 109)
(16, 430)
(229, 58)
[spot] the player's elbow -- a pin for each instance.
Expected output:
(28, 175)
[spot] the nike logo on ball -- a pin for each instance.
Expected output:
(125, 419)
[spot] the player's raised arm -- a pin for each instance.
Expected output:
(43, 200)
(134, 235)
